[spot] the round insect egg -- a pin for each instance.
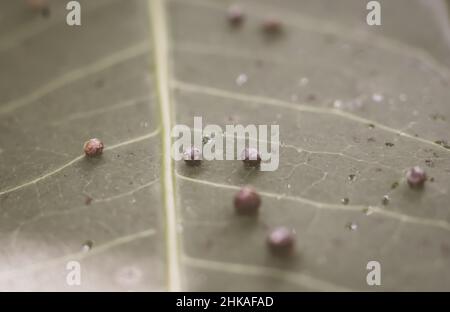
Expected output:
(272, 25)
(251, 157)
(192, 156)
(345, 200)
(93, 147)
(235, 15)
(416, 177)
(281, 241)
(87, 246)
(247, 201)
(37, 5)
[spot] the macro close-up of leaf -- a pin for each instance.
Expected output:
(357, 106)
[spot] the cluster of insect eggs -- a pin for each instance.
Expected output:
(236, 17)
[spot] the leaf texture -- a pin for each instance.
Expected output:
(356, 105)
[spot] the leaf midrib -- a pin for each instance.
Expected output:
(161, 61)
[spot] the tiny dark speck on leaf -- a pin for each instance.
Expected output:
(99, 83)
(437, 117)
(445, 249)
(281, 241)
(272, 25)
(330, 38)
(205, 140)
(351, 177)
(129, 276)
(352, 226)
(394, 185)
(345, 200)
(38, 5)
(209, 243)
(87, 245)
(46, 12)
(385, 200)
(311, 97)
(389, 144)
(88, 200)
(371, 126)
(442, 143)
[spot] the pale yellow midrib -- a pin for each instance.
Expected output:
(161, 52)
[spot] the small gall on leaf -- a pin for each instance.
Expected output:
(385, 200)
(192, 156)
(443, 143)
(241, 80)
(351, 177)
(416, 177)
(87, 246)
(88, 200)
(281, 241)
(235, 15)
(352, 226)
(247, 201)
(93, 147)
(206, 140)
(272, 25)
(251, 157)
(39, 6)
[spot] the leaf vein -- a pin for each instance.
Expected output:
(301, 279)
(193, 88)
(77, 159)
(441, 224)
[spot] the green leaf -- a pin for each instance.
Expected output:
(356, 105)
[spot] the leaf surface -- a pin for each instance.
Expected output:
(356, 106)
